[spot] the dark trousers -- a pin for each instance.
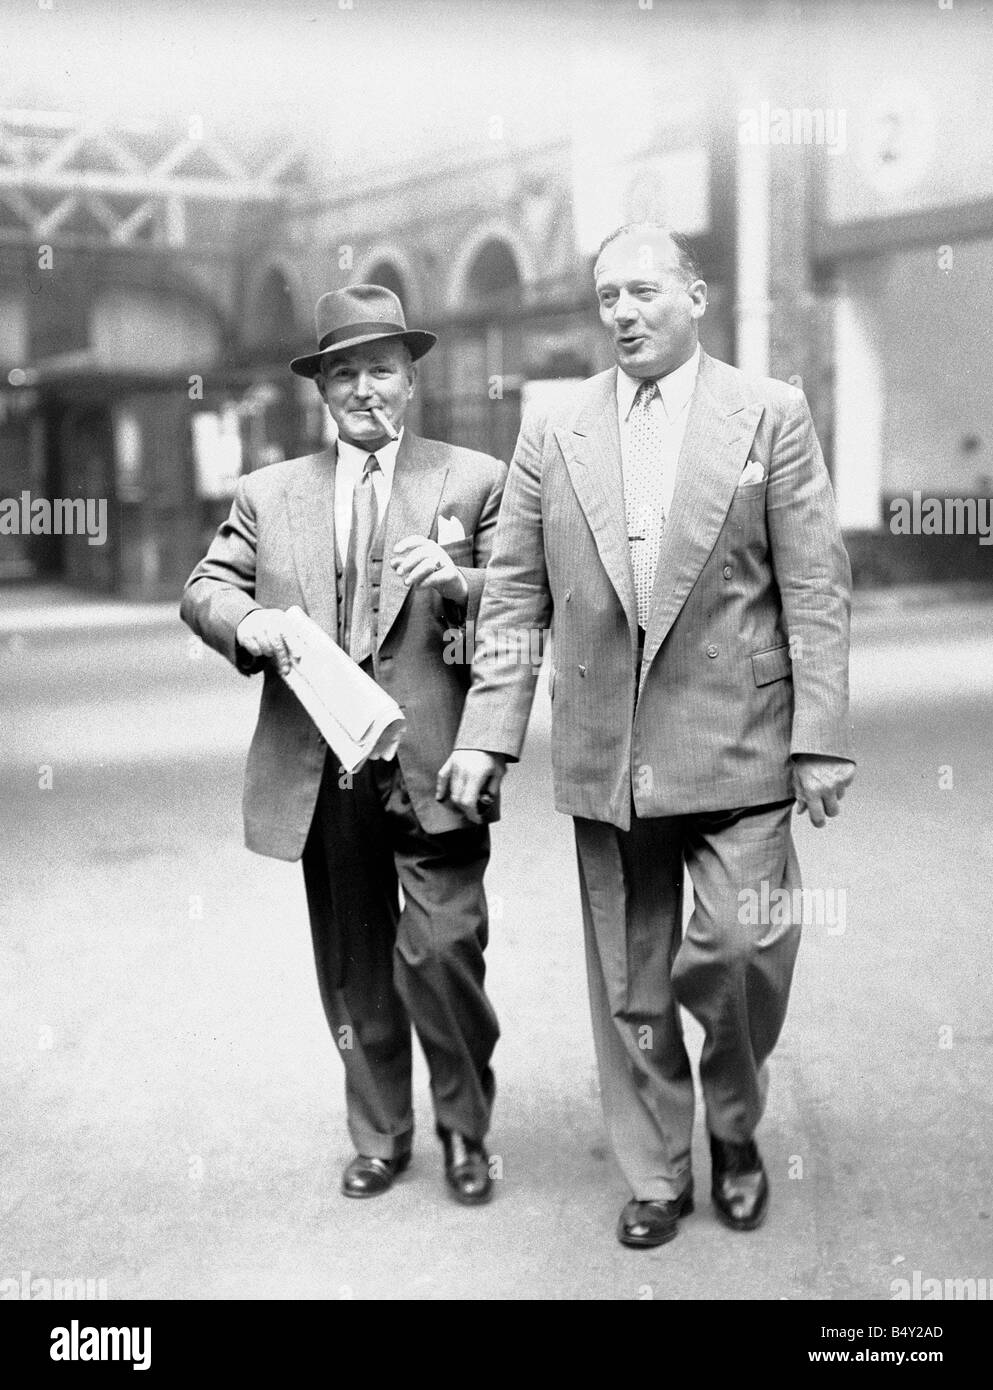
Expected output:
(382, 966)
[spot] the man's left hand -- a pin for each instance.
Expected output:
(424, 563)
(819, 784)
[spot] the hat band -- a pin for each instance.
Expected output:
(357, 330)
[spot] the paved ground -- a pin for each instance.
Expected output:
(173, 1109)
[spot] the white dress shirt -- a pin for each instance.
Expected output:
(671, 404)
(351, 462)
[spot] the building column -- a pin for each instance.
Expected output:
(858, 413)
(752, 305)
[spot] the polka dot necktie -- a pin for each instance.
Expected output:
(365, 520)
(643, 493)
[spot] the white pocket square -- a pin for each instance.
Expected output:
(450, 529)
(753, 472)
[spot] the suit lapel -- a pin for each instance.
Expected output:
(418, 482)
(592, 453)
(310, 503)
(719, 433)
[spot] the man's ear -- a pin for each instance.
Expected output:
(319, 383)
(411, 379)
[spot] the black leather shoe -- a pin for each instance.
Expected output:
(739, 1186)
(467, 1168)
(368, 1177)
(654, 1222)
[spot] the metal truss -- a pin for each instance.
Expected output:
(72, 180)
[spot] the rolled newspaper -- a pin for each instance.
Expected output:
(355, 715)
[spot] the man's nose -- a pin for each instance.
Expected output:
(363, 385)
(625, 310)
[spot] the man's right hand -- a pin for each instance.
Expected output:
(261, 634)
(467, 774)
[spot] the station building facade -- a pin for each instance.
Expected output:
(152, 294)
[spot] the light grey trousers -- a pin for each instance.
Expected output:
(733, 975)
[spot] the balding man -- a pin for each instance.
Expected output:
(677, 519)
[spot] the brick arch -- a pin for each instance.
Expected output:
(292, 315)
(171, 281)
(496, 233)
(402, 265)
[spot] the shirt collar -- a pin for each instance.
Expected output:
(675, 388)
(352, 459)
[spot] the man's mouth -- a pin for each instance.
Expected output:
(630, 340)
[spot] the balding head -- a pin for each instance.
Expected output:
(655, 242)
(650, 296)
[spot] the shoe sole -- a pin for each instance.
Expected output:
(653, 1242)
(467, 1201)
(751, 1224)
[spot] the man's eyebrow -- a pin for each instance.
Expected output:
(646, 279)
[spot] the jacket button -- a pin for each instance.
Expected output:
(582, 670)
(568, 595)
(712, 650)
(728, 571)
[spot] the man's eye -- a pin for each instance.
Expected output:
(607, 299)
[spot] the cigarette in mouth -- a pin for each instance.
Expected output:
(382, 422)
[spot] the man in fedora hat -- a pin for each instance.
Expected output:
(315, 532)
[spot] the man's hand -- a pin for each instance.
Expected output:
(420, 562)
(468, 774)
(261, 634)
(819, 784)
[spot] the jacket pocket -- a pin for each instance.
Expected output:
(773, 664)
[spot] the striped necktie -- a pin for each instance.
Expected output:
(365, 522)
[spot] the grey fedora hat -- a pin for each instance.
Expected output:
(359, 314)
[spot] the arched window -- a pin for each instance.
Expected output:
(494, 280)
(386, 274)
(272, 319)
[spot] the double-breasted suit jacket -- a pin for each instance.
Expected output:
(746, 650)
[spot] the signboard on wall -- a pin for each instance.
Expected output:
(914, 138)
(667, 186)
(129, 482)
(655, 168)
(217, 453)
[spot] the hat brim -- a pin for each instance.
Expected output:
(417, 340)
